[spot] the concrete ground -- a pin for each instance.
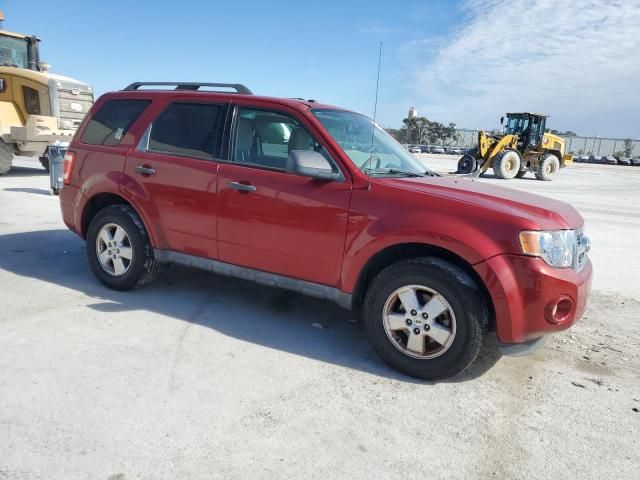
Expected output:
(197, 376)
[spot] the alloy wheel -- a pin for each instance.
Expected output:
(419, 322)
(113, 249)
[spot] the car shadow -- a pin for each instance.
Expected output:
(529, 176)
(254, 313)
(36, 191)
(20, 171)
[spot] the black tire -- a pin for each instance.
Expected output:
(548, 168)
(467, 164)
(44, 161)
(458, 289)
(521, 173)
(143, 266)
(506, 164)
(6, 157)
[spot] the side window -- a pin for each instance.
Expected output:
(265, 138)
(112, 121)
(31, 100)
(189, 129)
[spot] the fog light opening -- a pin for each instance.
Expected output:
(559, 310)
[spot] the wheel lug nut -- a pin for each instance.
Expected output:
(427, 328)
(414, 313)
(425, 315)
(416, 331)
(408, 321)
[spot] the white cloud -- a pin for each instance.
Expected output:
(577, 60)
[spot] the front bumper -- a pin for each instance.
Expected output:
(525, 289)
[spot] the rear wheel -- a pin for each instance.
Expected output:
(44, 161)
(6, 157)
(425, 318)
(118, 249)
(506, 164)
(548, 168)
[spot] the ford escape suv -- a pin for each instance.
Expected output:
(320, 200)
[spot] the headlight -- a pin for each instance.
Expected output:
(556, 247)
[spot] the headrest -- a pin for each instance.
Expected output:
(300, 140)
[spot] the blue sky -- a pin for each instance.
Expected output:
(465, 62)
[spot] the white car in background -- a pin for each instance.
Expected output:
(437, 150)
(415, 150)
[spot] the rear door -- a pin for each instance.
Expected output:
(272, 220)
(172, 174)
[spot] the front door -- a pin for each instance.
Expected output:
(172, 176)
(274, 221)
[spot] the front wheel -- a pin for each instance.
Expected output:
(425, 317)
(118, 248)
(548, 168)
(506, 164)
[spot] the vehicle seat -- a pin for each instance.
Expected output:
(245, 140)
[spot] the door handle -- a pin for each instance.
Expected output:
(145, 170)
(243, 187)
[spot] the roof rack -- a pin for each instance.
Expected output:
(193, 86)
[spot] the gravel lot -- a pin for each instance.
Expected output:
(198, 376)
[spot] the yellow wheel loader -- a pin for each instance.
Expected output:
(523, 147)
(37, 108)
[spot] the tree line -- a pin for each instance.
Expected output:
(421, 130)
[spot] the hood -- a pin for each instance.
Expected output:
(532, 211)
(41, 77)
(64, 78)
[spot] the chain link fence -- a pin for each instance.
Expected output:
(576, 145)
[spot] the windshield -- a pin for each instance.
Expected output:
(13, 52)
(372, 149)
(517, 124)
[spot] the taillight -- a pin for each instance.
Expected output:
(69, 160)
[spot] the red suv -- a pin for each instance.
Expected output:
(320, 200)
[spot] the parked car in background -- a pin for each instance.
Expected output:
(424, 148)
(609, 160)
(415, 149)
(437, 150)
(623, 161)
(455, 151)
(286, 192)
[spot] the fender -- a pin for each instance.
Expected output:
(369, 234)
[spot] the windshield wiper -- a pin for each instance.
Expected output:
(396, 171)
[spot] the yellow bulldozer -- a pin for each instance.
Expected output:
(524, 147)
(37, 108)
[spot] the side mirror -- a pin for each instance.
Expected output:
(312, 164)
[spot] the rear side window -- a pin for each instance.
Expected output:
(187, 129)
(112, 121)
(31, 100)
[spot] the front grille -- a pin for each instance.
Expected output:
(580, 250)
(74, 101)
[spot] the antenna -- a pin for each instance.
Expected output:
(375, 104)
